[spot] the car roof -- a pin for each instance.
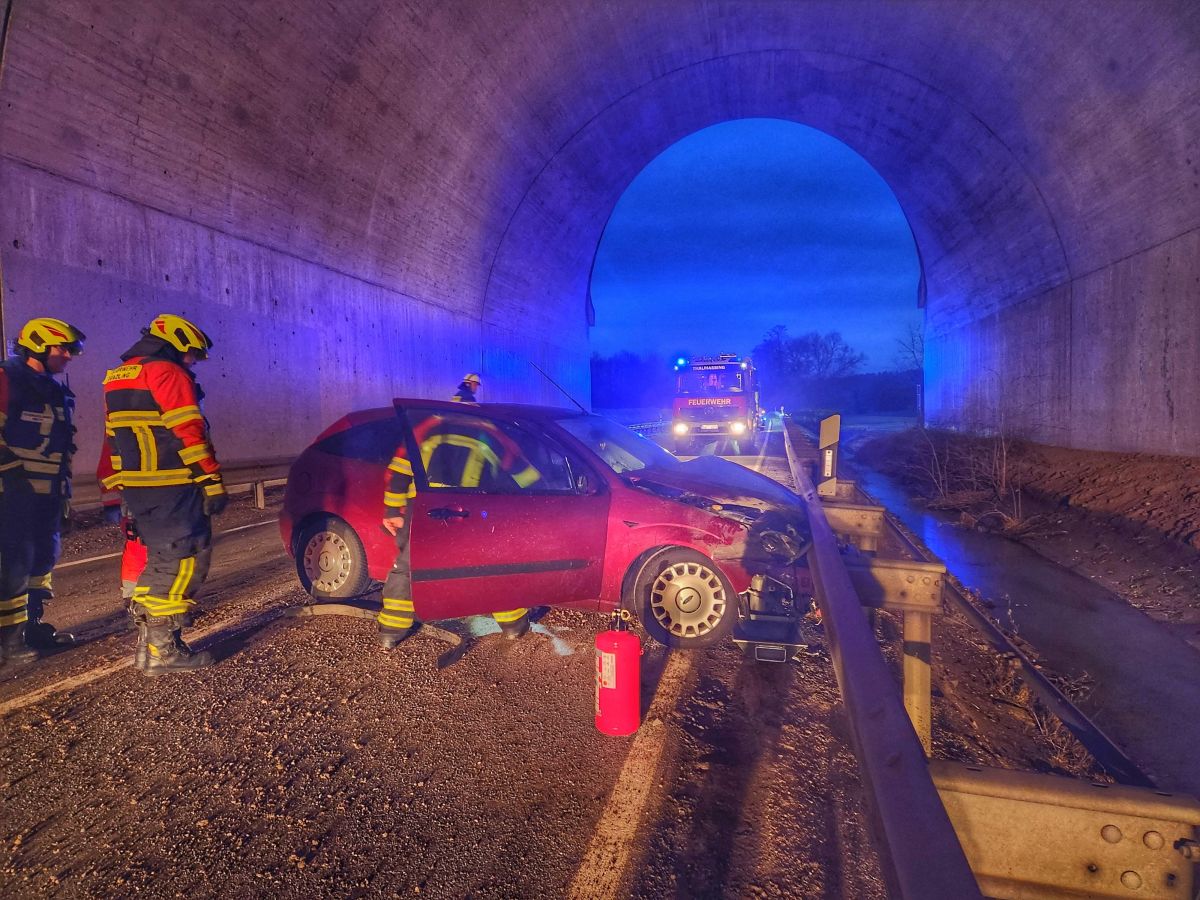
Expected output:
(527, 410)
(375, 413)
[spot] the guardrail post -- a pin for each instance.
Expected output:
(260, 494)
(831, 430)
(918, 646)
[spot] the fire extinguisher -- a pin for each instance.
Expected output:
(618, 677)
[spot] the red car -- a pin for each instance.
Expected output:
(556, 507)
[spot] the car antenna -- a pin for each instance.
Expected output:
(559, 386)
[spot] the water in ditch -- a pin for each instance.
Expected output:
(1145, 679)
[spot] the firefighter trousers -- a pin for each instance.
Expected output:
(178, 538)
(29, 546)
(397, 612)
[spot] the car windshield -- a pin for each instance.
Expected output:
(710, 380)
(621, 449)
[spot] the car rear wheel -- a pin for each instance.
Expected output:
(331, 561)
(683, 599)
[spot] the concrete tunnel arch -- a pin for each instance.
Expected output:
(364, 200)
(569, 204)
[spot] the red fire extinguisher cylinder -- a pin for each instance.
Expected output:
(618, 679)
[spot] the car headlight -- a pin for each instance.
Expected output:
(738, 428)
(680, 428)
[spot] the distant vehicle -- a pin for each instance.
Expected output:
(607, 519)
(715, 397)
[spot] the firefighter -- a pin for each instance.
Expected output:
(467, 389)
(36, 443)
(133, 553)
(396, 618)
(464, 451)
(167, 470)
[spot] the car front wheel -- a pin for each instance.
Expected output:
(683, 599)
(330, 560)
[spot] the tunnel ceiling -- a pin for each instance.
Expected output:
(463, 153)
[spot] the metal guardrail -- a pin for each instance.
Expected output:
(255, 477)
(648, 427)
(920, 847)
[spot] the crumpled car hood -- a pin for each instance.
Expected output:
(722, 481)
(776, 518)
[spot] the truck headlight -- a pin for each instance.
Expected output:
(738, 428)
(680, 428)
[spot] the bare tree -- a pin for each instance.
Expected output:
(911, 352)
(911, 355)
(810, 355)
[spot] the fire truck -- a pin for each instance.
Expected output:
(715, 397)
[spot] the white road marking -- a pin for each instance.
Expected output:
(603, 869)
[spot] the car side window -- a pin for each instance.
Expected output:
(468, 450)
(374, 442)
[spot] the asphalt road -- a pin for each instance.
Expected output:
(308, 762)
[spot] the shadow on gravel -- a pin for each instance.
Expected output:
(711, 829)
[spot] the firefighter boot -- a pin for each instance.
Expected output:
(166, 651)
(390, 638)
(43, 635)
(13, 648)
(515, 629)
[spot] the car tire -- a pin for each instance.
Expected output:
(330, 560)
(683, 600)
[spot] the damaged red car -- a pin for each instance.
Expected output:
(561, 508)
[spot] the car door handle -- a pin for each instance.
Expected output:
(445, 513)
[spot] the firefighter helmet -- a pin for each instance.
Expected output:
(471, 378)
(39, 335)
(181, 334)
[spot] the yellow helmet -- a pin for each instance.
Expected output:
(181, 334)
(39, 335)
(470, 378)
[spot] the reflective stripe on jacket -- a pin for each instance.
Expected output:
(36, 432)
(457, 451)
(154, 424)
(400, 485)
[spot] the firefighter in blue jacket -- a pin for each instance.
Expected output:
(467, 389)
(36, 444)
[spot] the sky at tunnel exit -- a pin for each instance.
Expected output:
(747, 225)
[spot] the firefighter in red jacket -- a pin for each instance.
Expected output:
(36, 443)
(396, 618)
(468, 451)
(164, 463)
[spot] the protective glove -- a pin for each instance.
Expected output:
(214, 504)
(112, 514)
(65, 510)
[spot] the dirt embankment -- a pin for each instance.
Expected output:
(1127, 521)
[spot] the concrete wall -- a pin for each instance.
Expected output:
(365, 199)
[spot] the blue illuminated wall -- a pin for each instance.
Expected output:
(368, 199)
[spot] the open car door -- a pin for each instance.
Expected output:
(502, 518)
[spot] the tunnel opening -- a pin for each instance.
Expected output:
(766, 238)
